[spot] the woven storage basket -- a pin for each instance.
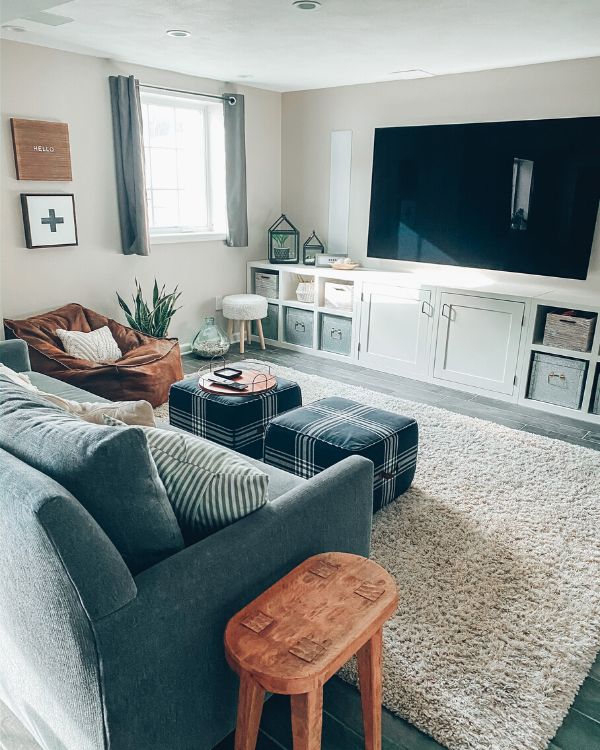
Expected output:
(305, 291)
(573, 332)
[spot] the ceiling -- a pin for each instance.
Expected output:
(270, 43)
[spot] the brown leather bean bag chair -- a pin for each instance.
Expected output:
(146, 370)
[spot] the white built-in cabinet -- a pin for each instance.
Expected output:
(394, 329)
(482, 340)
(478, 341)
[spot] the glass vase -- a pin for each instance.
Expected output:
(210, 341)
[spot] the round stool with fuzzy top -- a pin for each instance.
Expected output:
(245, 308)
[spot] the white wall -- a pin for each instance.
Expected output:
(564, 89)
(47, 84)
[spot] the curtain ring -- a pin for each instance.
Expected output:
(232, 100)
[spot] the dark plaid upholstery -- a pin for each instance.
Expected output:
(308, 440)
(237, 422)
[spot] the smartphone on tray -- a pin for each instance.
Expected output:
(227, 372)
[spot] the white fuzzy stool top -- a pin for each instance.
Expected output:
(244, 307)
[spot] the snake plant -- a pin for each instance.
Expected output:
(153, 322)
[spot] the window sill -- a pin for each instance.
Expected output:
(178, 238)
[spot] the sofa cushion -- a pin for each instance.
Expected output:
(57, 387)
(18, 378)
(208, 486)
(110, 472)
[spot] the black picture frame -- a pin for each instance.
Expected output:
(25, 208)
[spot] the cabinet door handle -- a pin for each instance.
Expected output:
(444, 306)
(427, 309)
(299, 326)
(336, 333)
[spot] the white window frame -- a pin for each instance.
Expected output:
(177, 235)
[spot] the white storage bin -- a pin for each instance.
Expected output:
(338, 296)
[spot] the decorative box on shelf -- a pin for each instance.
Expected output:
(570, 330)
(338, 296)
(326, 261)
(266, 283)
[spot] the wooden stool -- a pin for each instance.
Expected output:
(295, 636)
(245, 308)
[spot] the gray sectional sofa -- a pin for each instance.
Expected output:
(94, 656)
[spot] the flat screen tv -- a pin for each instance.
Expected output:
(509, 196)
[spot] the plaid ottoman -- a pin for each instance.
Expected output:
(237, 422)
(308, 440)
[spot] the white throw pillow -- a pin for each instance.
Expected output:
(209, 487)
(95, 346)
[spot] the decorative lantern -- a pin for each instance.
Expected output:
(312, 247)
(284, 242)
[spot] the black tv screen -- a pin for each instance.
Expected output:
(509, 196)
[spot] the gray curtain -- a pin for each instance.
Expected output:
(235, 169)
(129, 160)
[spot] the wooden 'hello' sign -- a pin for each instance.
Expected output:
(42, 150)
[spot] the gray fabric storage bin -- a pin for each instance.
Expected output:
(336, 334)
(266, 283)
(557, 380)
(270, 324)
(596, 406)
(298, 326)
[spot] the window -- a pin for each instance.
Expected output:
(184, 147)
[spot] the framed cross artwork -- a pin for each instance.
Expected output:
(49, 219)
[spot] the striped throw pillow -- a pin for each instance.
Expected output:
(208, 486)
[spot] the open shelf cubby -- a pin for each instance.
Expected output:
(557, 379)
(594, 402)
(566, 332)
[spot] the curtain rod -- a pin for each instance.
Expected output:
(230, 99)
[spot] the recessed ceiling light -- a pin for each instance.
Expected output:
(307, 4)
(18, 29)
(179, 33)
(411, 73)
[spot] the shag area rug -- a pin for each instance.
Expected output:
(496, 551)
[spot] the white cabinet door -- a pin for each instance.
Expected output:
(478, 341)
(394, 328)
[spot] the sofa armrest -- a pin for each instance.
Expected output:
(14, 354)
(177, 621)
(330, 512)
